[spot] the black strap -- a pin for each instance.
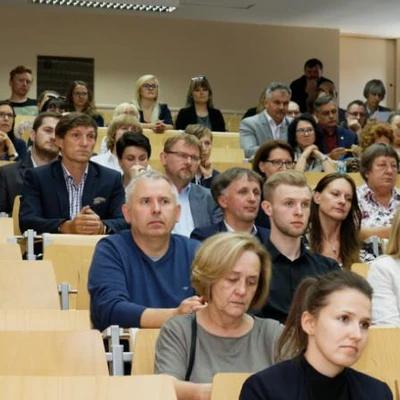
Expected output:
(192, 347)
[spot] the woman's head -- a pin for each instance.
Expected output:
(376, 132)
(79, 97)
(199, 92)
(126, 108)
(374, 92)
(273, 156)
(44, 96)
(394, 121)
(232, 268)
(205, 136)
(147, 87)
(120, 124)
(303, 132)
(7, 118)
(329, 320)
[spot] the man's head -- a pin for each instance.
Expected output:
(379, 167)
(20, 81)
(293, 109)
(356, 111)
(273, 156)
(313, 68)
(181, 158)
(326, 112)
(151, 206)
(287, 203)
(133, 148)
(277, 97)
(238, 192)
(76, 135)
(43, 135)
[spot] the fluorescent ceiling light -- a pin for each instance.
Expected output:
(126, 5)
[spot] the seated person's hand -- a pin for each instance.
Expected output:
(353, 124)
(87, 222)
(310, 150)
(356, 150)
(159, 127)
(335, 154)
(136, 170)
(191, 304)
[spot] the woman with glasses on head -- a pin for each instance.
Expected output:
(11, 147)
(272, 156)
(307, 141)
(79, 98)
(199, 107)
(152, 114)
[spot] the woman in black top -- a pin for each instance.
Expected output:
(325, 333)
(199, 107)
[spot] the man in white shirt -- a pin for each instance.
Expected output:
(268, 124)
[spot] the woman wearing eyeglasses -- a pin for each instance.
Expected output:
(199, 107)
(11, 147)
(153, 114)
(79, 98)
(307, 141)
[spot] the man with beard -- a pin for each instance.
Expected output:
(238, 192)
(287, 203)
(43, 151)
(181, 158)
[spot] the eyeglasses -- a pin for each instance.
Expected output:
(280, 163)
(6, 115)
(357, 114)
(305, 131)
(150, 86)
(184, 156)
(80, 94)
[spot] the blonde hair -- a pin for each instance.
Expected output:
(217, 256)
(186, 138)
(118, 122)
(123, 109)
(291, 178)
(138, 101)
(393, 248)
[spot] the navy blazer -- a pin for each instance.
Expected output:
(187, 116)
(286, 381)
(11, 182)
(45, 202)
(205, 232)
(345, 138)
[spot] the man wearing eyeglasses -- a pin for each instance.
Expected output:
(181, 158)
(356, 116)
(20, 83)
(270, 124)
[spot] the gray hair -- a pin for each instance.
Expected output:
(147, 176)
(323, 100)
(274, 86)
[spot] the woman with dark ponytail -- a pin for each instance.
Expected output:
(325, 334)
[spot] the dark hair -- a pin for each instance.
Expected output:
(349, 227)
(10, 134)
(224, 179)
(196, 82)
(20, 69)
(319, 138)
(37, 123)
(69, 104)
(355, 102)
(54, 101)
(374, 86)
(135, 139)
(311, 296)
(321, 101)
(72, 120)
(371, 153)
(313, 62)
(264, 151)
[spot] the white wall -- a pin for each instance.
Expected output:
(239, 60)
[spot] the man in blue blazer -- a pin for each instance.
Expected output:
(270, 124)
(73, 195)
(336, 138)
(238, 192)
(181, 160)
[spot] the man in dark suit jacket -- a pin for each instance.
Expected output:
(181, 160)
(238, 193)
(73, 195)
(43, 151)
(336, 138)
